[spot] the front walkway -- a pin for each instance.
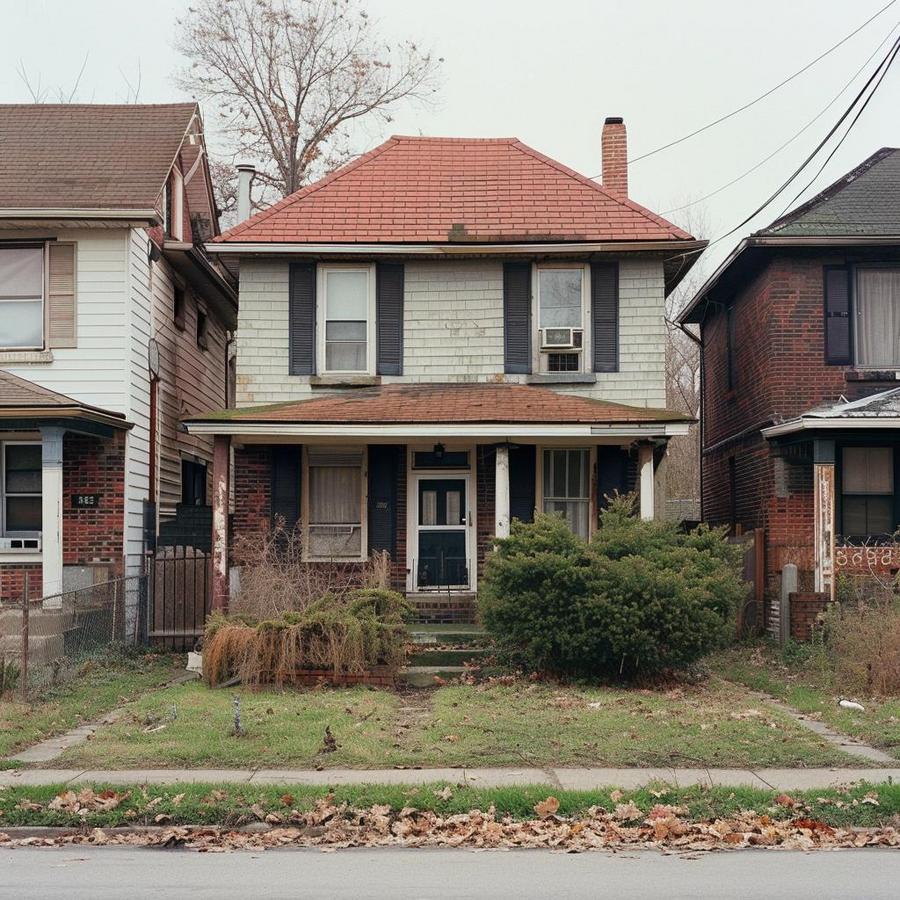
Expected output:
(561, 779)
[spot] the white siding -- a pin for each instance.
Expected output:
(453, 330)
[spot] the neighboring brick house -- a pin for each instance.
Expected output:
(800, 332)
(440, 336)
(114, 325)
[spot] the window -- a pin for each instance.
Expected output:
(878, 318)
(334, 492)
(21, 298)
(560, 318)
(867, 491)
(20, 489)
(178, 302)
(202, 330)
(193, 483)
(347, 320)
(566, 487)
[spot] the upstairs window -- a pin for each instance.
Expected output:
(20, 489)
(560, 318)
(21, 298)
(347, 318)
(867, 491)
(877, 321)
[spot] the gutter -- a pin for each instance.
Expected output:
(837, 424)
(235, 248)
(84, 413)
(70, 213)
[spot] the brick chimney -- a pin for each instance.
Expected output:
(614, 145)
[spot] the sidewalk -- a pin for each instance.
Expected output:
(559, 779)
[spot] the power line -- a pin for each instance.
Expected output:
(793, 137)
(761, 97)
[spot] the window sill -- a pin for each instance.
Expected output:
(26, 357)
(332, 381)
(11, 557)
(872, 375)
(562, 378)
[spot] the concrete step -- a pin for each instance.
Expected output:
(42, 648)
(455, 635)
(424, 676)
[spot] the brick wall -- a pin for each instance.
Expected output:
(12, 582)
(805, 609)
(252, 477)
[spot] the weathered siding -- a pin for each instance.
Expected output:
(453, 330)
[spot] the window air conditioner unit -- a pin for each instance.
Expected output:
(561, 338)
(20, 543)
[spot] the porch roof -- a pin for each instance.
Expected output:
(23, 402)
(881, 410)
(444, 409)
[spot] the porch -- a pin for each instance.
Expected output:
(429, 477)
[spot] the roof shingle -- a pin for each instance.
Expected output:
(453, 190)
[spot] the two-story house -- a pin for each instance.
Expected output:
(114, 326)
(800, 331)
(440, 336)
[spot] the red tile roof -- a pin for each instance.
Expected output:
(457, 190)
(88, 156)
(442, 404)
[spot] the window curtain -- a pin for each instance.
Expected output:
(335, 504)
(878, 317)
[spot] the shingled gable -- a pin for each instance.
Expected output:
(453, 190)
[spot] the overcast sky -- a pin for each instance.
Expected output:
(548, 73)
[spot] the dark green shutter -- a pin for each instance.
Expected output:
(612, 473)
(605, 316)
(837, 316)
(389, 318)
(385, 466)
(522, 462)
(302, 319)
(517, 318)
(286, 484)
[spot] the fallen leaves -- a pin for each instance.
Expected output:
(331, 826)
(85, 801)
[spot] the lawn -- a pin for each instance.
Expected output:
(801, 682)
(861, 805)
(463, 725)
(102, 685)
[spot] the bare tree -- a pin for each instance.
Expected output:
(288, 78)
(42, 93)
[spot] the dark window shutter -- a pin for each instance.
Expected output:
(389, 318)
(302, 319)
(605, 316)
(286, 484)
(385, 463)
(522, 461)
(837, 316)
(612, 473)
(517, 318)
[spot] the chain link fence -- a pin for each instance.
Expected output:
(46, 641)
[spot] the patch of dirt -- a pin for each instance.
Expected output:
(413, 714)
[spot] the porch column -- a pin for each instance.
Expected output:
(501, 493)
(52, 514)
(823, 515)
(221, 465)
(648, 481)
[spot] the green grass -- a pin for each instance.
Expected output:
(493, 725)
(231, 805)
(806, 685)
(101, 686)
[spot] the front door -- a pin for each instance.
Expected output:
(442, 533)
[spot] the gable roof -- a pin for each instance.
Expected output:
(860, 207)
(865, 201)
(443, 404)
(88, 156)
(18, 397)
(453, 190)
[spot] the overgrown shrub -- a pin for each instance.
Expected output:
(351, 633)
(639, 599)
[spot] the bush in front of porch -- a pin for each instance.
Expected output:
(640, 599)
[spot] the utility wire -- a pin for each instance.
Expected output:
(761, 97)
(793, 137)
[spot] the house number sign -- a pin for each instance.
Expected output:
(85, 501)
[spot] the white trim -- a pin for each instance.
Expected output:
(176, 226)
(534, 249)
(321, 318)
(451, 430)
(20, 557)
(413, 476)
(64, 212)
(363, 512)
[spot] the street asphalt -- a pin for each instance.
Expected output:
(110, 873)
